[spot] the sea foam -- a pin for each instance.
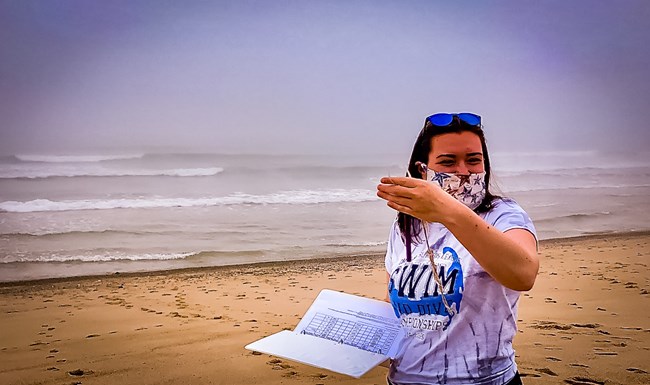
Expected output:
(70, 172)
(283, 197)
(107, 257)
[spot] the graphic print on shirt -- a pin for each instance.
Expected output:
(416, 296)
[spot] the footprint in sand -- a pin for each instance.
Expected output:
(546, 371)
(600, 353)
(277, 364)
(79, 372)
(37, 344)
(291, 373)
(588, 325)
(583, 381)
(636, 370)
(549, 300)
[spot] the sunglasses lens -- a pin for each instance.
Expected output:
(469, 118)
(440, 120)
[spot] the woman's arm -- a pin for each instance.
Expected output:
(510, 257)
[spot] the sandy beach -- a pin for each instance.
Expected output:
(586, 321)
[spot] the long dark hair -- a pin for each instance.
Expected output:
(410, 226)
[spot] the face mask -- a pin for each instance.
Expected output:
(468, 189)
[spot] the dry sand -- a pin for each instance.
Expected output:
(587, 321)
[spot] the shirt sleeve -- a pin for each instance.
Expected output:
(392, 247)
(507, 215)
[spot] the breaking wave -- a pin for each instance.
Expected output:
(300, 197)
(69, 172)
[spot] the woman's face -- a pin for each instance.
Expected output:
(456, 153)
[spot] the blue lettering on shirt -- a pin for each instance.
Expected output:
(413, 288)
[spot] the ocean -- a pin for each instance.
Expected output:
(75, 215)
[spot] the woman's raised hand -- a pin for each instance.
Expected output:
(418, 198)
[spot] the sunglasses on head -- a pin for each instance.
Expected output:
(445, 119)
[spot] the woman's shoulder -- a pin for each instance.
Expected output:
(506, 214)
(501, 204)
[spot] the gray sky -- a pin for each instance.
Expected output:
(320, 76)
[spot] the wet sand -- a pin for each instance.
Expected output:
(586, 321)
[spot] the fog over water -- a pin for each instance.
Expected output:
(96, 77)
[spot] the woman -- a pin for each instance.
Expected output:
(456, 260)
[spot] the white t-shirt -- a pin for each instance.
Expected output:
(474, 345)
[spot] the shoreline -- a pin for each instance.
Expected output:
(271, 265)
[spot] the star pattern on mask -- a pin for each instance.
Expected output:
(440, 177)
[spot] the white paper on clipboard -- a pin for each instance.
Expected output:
(340, 332)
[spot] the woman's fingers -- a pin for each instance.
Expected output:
(397, 190)
(400, 200)
(401, 181)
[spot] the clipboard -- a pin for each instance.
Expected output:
(344, 333)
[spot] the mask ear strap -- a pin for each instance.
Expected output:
(422, 168)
